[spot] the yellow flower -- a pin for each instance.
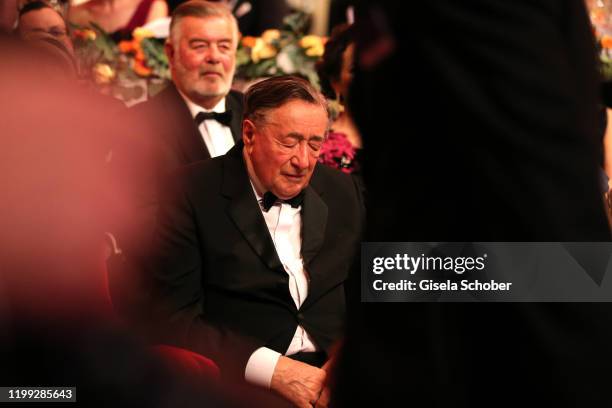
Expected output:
(314, 45)
(261, 50)
(316, 51)
(140, 33)
(270, 35)
(103, 73)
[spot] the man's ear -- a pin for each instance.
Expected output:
(248, 134)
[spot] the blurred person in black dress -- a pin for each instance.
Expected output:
(499, 144)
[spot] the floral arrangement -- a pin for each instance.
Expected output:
(604, 45)
(338, 152)
(280, 52)
(137, 69)
(130, 70)
(601, 23)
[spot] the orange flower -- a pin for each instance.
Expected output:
(140, 55)
(249, 41)
(126, 46)
(141, 69)
(606, 41)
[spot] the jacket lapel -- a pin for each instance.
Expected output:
(244, 209)
(314, 222)
(233, 102)
(190, 142)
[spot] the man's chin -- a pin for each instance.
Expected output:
(288, 193)
(212, 91)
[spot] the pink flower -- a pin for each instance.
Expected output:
(337, 152)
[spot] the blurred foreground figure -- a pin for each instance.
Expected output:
(57, 327)
(499, 144)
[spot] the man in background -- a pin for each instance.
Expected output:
(197, 116)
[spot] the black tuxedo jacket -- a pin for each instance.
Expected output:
(219, 278)
(173, 127)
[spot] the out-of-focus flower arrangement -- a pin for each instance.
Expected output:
(601, 20)
(279, 52)
(137, 69)
(605, 56)
(338, 152)
(130, 70)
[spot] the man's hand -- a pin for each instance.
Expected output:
(298, 382)
(323, 400)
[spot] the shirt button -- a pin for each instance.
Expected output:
(300, 317)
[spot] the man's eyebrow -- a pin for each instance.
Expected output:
(299, 136)
(208, 40)
(295, 135)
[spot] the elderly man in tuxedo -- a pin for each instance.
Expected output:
(253, 249)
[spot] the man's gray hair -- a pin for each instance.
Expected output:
(202, 9)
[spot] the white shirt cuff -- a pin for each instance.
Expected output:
(260, 367)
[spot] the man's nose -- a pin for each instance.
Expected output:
(300, 157)
(212, 54)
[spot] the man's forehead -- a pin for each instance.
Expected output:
(194, 26)
(44, 16)
(300, 131)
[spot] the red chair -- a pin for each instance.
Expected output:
(185, 362)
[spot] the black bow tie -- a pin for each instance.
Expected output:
(223, 118)
(269, 199)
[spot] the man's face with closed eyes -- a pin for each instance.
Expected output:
(284, 146)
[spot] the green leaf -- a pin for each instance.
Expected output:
(296, 23)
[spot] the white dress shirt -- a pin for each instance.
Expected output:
(285, 225)
(217, 137)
